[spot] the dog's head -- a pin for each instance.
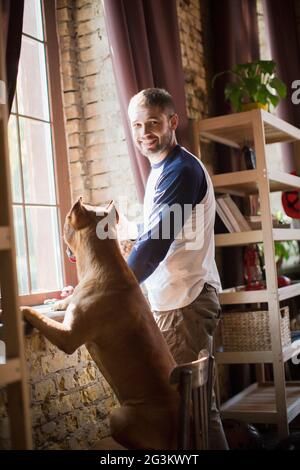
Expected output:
(99, 221)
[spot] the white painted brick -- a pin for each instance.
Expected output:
(93, 138)
(96, 152)
(100, 181)
(90, 68)
(77, 183)
(86, 27)
(94, 124)
(92, 109)
(90, 95)
(101, 196)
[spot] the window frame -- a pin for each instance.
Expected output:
(60, 154)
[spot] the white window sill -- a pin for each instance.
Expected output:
(46, 310)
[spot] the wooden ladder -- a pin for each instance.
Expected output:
(13, 371)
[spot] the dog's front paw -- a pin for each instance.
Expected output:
(28, 327)
(60, 305)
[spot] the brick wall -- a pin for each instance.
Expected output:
(99, 164)
(70, 400)
(191, 40)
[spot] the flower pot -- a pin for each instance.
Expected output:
(250, 106)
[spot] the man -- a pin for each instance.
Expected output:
(174, 254)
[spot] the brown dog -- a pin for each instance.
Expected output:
(109, 314)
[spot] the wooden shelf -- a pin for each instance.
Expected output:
(256, 357)
(255, 236)
(243, 183)
(236, 129)
(256, 404)
(4, 238)
(230, 297)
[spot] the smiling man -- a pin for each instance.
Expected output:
(181, 277)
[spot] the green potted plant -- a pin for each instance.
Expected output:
(255, 85)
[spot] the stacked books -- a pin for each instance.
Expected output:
(231, 215)
(235, 221)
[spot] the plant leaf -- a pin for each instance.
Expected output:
(267, 66)
(233, 93)
(279, 86)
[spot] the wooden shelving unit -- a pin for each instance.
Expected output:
(262, 402)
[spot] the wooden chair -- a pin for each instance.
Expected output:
(194, 380)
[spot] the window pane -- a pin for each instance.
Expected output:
(14, 159)
(37, 162)
(32, 20)
(32, 80)
(44, 249)
(13, 108)
(21, 250)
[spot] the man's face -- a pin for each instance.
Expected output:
(153, 130)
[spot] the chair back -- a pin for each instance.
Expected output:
(194, 380)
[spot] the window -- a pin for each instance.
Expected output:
(37, 171)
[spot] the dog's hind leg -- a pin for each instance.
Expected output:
(65, 336)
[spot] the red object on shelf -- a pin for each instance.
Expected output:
(291, 203)
(253, 273)
(283, 281)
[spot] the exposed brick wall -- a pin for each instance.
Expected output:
(192, 50)
(70, 400)
(99, 164)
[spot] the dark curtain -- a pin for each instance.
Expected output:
(12, 23)
(145, 47)
(281, 29)
(234, 33)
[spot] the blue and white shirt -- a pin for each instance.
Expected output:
(175, 253)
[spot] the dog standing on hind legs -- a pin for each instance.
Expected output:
(109, 314)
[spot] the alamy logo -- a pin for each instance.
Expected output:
(296, 93)
(167, 222)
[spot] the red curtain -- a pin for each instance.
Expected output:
(234, 32)
(145, 47)
(281, 26)
(12, 23)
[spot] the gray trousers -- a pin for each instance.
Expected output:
(189, 329)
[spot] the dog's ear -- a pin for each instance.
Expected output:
(110, 208)
(79, 216)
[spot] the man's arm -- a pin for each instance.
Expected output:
(185, 189)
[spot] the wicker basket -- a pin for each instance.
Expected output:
(249, 331)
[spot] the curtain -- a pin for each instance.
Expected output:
(235, 39)
(12, 23)
(281, 29)
(145, 48)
